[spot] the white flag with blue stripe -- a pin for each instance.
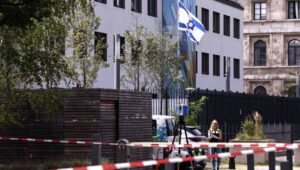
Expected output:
(189, 23)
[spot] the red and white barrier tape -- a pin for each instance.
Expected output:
(152, 145)
(179, 160)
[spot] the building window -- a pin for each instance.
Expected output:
(216, 65)
(196, 11)
(119, 3)
(260, 90)
(136, 5)
(226, 25)
(294, 52)
(236, 68)
(205, 63)
(224, 66)
(152, 8)
(196, 58)
(216, 22)
(205, 18)
(236, 28)
(260, 10)
(260, 53)
(101, 37)
(294, 9)
(101, 1)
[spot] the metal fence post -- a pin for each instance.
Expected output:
(271, 160)
(96, 150)
(250, 162)
(289, 157)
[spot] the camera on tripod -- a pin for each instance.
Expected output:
(182, 110)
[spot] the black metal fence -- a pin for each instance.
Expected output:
(231, 108)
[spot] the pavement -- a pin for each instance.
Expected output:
(244, 167)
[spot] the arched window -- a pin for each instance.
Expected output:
(294, 52)
(260, 53)
(260, 90)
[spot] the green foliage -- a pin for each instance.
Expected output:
(195, 110)
(150, 59)
(33, 38)
(85, 59)
(250, 130)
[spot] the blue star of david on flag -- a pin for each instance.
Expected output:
(189, 23)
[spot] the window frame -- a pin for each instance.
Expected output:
(260, 59)
(261, 16)
(226, 25)
(138, 7)
(295, 49)
(216, 65)
(101, 35)
(120, 5)
(236, 68)
(102, 1)
(216, 22)
(154, 5)
(205, 18)
(236, 28)
(205, 63)
(296, 9)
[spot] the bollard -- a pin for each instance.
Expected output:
(285, 166)
(289, 157)
(122, 151)
(250, 162)
(96, 150)
(231, 163)
(271, 160)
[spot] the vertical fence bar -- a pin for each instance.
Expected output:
(96, 150)
(271, 160)
(289, 156)
(250, 162)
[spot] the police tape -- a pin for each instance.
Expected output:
(139, 164)
(150, 144)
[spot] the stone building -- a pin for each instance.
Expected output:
(271, 45)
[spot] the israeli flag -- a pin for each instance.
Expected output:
(189, 23)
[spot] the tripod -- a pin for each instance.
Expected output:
(181, 125)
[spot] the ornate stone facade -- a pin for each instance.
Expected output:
(268, 66)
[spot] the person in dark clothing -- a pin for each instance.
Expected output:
(215, 135)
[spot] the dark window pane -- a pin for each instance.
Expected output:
(152, 8)
(119, 3)
(216, 65)
(136, 5)
(224, 66)
(101, 37)
(236, 68)
(205, 63)
(122, 46)
(216, 22)
(260, 53)
(236, 23)
(196, 62)
(226, 25)
(196, 11)
(260, 90)
(102, 1)
(205, 18)
(294, 52)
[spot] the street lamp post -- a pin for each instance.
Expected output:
(117, 62)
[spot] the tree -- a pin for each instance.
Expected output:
(162, 60)
(135, 71)
(195, 109)
(85, 59)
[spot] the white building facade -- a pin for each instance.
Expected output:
(223, 21)
(201, 68)
(117, 16)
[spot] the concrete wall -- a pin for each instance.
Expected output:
(222, 45)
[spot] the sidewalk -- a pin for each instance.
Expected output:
(244, 167)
